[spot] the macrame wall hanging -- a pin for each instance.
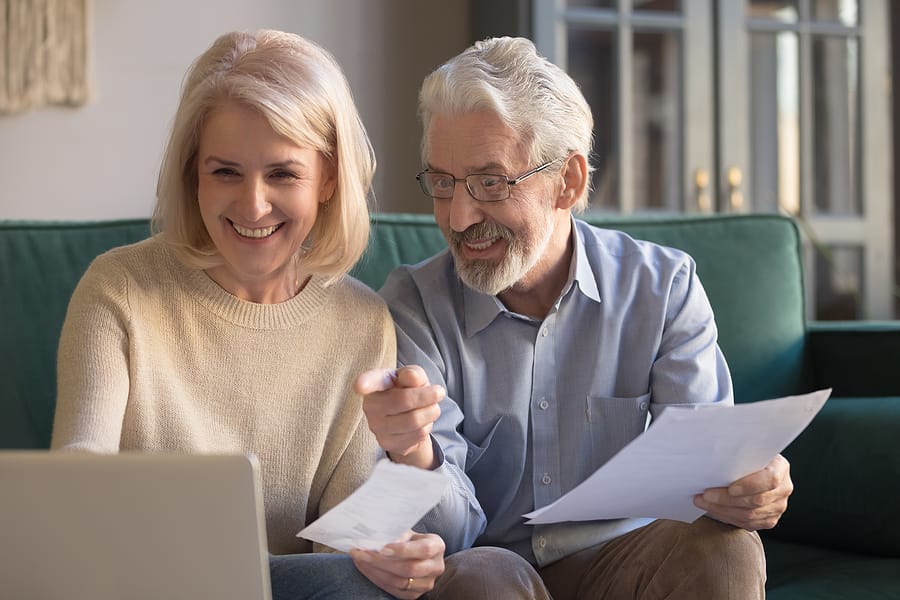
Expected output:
(43, 54)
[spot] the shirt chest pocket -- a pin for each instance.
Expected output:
(613, 422)
(476, 451)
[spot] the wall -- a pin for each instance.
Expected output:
(100, 161)
(895, 127)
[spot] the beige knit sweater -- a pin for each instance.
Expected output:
(155, 356)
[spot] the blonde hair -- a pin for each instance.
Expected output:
(530, 94)
(301, 91)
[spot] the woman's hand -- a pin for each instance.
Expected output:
(406, 568)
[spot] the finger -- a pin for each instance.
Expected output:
(398, 401)
(375, 380)
(725, 498)
(751, 513)
(411, 421)
(414, 587)
(750, 520)
(411, 376)
(394, 574)
(405, 444)
(395, 585)
(415, 546)
(770, 477)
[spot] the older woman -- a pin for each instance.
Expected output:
(235, 327)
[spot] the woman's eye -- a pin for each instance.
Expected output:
(284, 175)
(225, 171)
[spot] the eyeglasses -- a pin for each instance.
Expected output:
(484, 187)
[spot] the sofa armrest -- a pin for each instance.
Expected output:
(855, 358)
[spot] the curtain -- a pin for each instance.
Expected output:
(43, 54)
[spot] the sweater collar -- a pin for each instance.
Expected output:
(252, 315)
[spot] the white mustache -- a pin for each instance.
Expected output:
(480, 231)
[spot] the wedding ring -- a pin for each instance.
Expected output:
(408, 584)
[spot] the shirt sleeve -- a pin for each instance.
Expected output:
(690, 367)
(458, 517)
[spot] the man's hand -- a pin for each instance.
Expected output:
(406, 568)
(401, 408)
(753, 502)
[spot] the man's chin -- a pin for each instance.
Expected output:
(481, 275)
(480, 279)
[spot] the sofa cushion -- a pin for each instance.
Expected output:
(801, 571)
(846, 470)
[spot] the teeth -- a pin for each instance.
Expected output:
(481, 245)
(257, 233)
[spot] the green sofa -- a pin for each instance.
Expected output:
(841, 535)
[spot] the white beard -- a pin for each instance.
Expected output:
(521, 257)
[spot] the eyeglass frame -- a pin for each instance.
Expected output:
(509, 182)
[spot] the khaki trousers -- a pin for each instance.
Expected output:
(703, 560)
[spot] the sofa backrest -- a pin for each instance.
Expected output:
(749, 265)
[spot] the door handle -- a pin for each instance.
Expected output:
(734, 177)
(701, 191)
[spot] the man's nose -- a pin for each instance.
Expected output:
(464, 209)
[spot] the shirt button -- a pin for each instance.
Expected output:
(546, 479)
(544, 332)
(643, 406)
(544, 404)
(542, 543)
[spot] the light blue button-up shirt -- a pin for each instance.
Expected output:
(533, 406)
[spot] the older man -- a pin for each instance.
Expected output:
(553, 340)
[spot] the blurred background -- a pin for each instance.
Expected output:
(700, 107)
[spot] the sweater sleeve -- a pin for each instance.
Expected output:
(92, 363)
(356, 462)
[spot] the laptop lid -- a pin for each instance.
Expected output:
(106, 527)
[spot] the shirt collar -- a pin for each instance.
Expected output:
(584, 274)
(481, 309)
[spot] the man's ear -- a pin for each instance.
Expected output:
(575, 180)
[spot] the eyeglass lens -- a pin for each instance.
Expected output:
(484, 187)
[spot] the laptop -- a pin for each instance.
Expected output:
(131, 526)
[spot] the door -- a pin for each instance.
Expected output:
(645, 68)
(805, 128)
(745, 106)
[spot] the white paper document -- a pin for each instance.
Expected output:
(381, 510)
(683, 452)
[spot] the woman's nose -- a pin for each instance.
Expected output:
(254, 202)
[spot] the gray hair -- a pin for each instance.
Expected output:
(531, 95)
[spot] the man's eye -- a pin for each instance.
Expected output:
(441, 183)
(489, 181)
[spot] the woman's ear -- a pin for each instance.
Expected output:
(575, 180)
(329, 180)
